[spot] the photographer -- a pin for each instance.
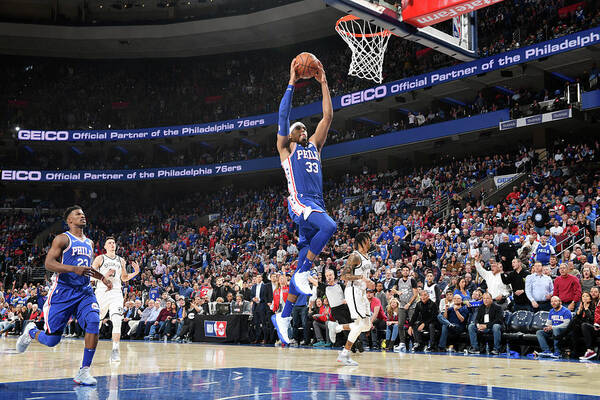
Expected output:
(240, 306)
(191, 309)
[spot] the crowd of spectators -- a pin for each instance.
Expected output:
(513, 24)
(59, 94)
(132, 12)
(525, 102)
(200, 153)
(430, 263)
(134, 94)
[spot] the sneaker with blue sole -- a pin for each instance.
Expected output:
(300, 280)
(282, 325)
(84, 377)
(25, 340)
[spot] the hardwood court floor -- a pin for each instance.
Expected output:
(155, 370)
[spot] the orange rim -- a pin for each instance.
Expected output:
(350, 17)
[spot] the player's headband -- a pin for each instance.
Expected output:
(295, 125)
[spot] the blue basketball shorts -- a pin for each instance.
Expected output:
(301, 206)
(65, 302)
(299, 210)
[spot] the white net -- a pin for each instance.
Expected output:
(367, 43)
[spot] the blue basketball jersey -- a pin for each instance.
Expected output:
(303, 172)
(543, 253)
(78, 252)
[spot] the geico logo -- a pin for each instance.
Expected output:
(11, 175)
(364, 95)
(43, 135)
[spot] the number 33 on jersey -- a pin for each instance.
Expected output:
(303, 171)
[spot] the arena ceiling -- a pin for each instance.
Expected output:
(276, 27)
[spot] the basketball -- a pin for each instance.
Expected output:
(307, 65)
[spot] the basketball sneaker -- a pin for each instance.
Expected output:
(282, 325)
(345, 359)
(588, 355)
(84, 377)
(24, 340)
(300, 280)
(401, 348)
(115, 356)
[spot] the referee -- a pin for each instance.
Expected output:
(339, 309)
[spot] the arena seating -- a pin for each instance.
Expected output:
(243, 241)
(38, 91)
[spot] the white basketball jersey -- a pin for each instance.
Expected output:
(108, 264)
(363, 269)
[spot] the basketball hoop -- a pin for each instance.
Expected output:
(367, 43)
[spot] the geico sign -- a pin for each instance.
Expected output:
(43, 135)
(364, 95)
(11, 175)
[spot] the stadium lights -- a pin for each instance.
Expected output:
(17, 128)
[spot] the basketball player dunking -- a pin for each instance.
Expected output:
(111, 300)
(301, 162)
(356, 273)
(70, 258)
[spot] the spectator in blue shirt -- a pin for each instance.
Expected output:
(42, 298)
(154, 292)
(539, 288)
(461, 290)
(453, 320)
(185, 290)
(559, 318)
(387, 236)
(543, 251)
(400, 230)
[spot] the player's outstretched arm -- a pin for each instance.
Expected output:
(124, 275)
(320, 135)
(285, 107)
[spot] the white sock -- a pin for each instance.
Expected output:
(345, 351)
(115, 345)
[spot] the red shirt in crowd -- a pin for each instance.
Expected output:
(164, 313)
(513, 195)
(567, 288)
(277, 294)
(324, 314)
(374, 303)
(204, 291)
(35, 315)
